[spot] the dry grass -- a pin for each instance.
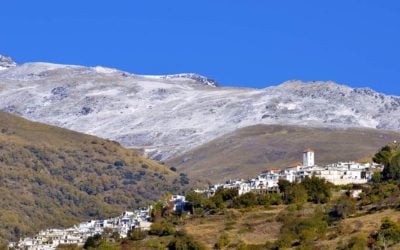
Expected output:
(365, 224)
(253, 227)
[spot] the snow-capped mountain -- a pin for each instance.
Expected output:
(169, 115)
(6, 62)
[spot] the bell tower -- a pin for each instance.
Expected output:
(308, 158)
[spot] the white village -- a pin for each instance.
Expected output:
(341, 173)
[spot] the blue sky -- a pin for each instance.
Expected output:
(239, 43)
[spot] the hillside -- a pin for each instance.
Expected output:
(52, 177)
(251, 150)
(171, 114)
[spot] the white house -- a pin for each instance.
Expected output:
(179, 203)
(49, 239)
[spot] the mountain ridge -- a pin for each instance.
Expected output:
(168, 116)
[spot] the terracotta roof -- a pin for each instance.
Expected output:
(295, 164)
(274, 169)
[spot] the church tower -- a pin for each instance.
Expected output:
(308, 158)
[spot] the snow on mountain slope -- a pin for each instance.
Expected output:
(6, 62)
(169, 115)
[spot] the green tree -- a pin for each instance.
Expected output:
(318, 189)
(199, 203)
(227, 193)
(92, 241)
(284, 185)
(389, 156)
(157, 211)
(295, 194)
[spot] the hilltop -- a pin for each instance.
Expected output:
(54, 177)
(251, 150)
(169, 115)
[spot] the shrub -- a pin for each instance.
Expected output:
(137, 234)
(377, 177)
(119, 163)
(222, 241)
(343, 207)
(269, 199)
(245, 201)
(389, 233)
(161, 229)
(303, 230)
(92, 241)
(358, 242)
(227, 194)
(199, 203)
(182, 241)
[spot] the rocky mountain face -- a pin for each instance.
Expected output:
(169, 115)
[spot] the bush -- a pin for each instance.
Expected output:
(199, 203)
(161, 229)
(358, 242)
(343, 207)
(377, 177)
(301, 230)
(227, 193)
(389, 233)
(245, 201)
(222, 241)
(269, 199)
(182, 241)
(137, 234)
(119, 163)
(92, 241)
